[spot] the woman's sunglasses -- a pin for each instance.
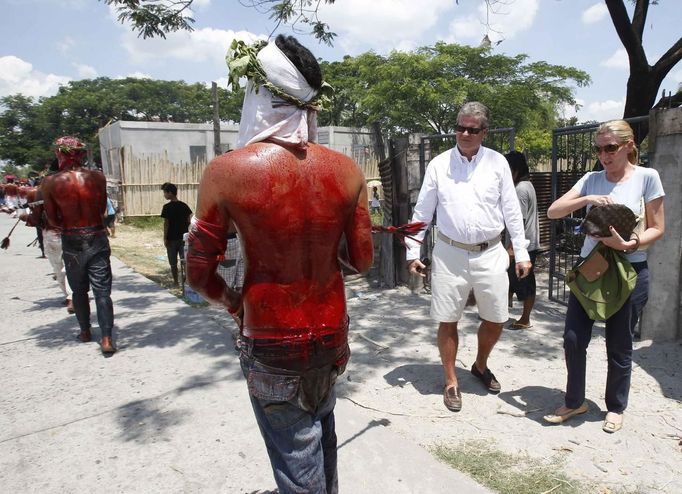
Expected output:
(607, 148)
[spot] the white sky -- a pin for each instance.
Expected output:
(50, 42)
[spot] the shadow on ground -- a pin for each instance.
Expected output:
(144, 315)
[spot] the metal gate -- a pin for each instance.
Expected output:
(573, 156)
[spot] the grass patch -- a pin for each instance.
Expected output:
(145, 222)
(377, 218)
(512, 474)
(140, 246)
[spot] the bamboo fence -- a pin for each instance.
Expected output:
(142, 177)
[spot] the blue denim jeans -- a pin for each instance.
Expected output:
(618, 334)
(638, 298)
(295, 414)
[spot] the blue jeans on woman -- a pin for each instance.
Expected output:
(577, 335)
(295, 414)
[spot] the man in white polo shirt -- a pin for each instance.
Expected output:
(471, 190)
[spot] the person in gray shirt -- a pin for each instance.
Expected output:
(524, 288)
(621, 181)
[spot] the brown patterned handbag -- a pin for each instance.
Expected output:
(599, 218)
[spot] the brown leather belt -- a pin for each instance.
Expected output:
(470, 247)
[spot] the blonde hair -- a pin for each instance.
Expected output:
(622, 130)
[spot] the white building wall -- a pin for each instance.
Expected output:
(172, 141)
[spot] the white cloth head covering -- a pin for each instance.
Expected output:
(265, 116)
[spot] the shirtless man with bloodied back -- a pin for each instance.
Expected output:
(291, 202)
(75, 200)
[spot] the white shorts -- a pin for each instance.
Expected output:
(455, 271)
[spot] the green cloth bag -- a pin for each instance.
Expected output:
(602, 282)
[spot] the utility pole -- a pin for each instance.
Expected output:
(216, 120)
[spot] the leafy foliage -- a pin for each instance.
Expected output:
(242, 61)
(295, 12)
(157, 17)
(154, 17)
(28, 127)
(422, 90)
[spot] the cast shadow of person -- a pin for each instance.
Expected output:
(428, 379)
(534, 402)
(662, 360)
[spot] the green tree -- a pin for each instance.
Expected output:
(21, 126)
(422, 91)
(152, 18)
(157, 17)
(81, 108)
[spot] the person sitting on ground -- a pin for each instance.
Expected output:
(524, 288)
(11, 197)
(620, 182)
(176, 218)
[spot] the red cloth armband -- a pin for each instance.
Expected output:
(206, 240)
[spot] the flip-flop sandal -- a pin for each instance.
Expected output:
(517, 325)
(612, 425)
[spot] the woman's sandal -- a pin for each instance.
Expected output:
(613, 422)
(558, 418)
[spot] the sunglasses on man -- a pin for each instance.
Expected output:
(471, 130)
(607, 148)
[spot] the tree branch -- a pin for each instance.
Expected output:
(639, 17)
(668, 60)
(631, 41)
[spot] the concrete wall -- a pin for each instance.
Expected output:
(354, 142)
(173, 141)
(662, 316)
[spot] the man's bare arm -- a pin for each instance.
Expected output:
(165, 232)
(51, 208)
(207, 242)
(359, 234)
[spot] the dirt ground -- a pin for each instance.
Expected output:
(395, 373)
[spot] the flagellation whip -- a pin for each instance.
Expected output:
(5, 241)
(404, 231)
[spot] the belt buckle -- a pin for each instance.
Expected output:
(482, 246)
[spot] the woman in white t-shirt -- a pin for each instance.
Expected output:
(620, 182)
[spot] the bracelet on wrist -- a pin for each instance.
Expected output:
(636, 239)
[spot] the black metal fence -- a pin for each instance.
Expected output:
(572, 157)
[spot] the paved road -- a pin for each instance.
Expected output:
(168, 413)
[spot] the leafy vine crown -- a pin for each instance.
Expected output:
(68, 144)
(265, 65)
